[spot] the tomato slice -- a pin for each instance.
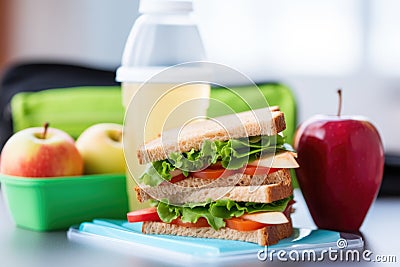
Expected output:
(243, 225)
(144, 215)
(216, 166)
(216, 171)
(177, 178)
(256, 170)
(201, 222)
(210, 173)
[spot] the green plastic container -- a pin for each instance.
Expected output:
(56, 203)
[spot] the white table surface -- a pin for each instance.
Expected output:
(20, 247)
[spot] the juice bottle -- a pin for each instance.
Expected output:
(160, 89)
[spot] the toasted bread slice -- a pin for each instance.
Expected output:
(266, 236)
(250, 123)
(276, 186)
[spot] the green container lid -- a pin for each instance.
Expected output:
(56, 203)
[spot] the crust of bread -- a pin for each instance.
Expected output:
(250, 123)
(279, 188)
(266, 236)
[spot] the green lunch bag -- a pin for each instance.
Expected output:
(242, 98)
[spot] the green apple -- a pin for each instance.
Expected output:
(101, 148)
(41, 152)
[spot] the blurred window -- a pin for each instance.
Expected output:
(308, 37)
(384, 38)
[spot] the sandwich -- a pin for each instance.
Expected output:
(227, 178)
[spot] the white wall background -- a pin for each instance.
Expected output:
(313, 46)
(89, 31)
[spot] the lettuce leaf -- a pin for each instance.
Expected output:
(157, 173)
(233, 154)
(194, 160)
(215, 212)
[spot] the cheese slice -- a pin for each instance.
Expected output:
(267, 217)
(284, 160)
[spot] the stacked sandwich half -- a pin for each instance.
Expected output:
(226, 178)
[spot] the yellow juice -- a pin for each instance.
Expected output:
(154, 108)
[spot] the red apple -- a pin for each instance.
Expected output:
(41, 152)
(341, 167)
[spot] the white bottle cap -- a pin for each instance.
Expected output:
(165, 6)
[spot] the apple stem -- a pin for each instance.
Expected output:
(339, 91)
(46, 126)
(119, 137)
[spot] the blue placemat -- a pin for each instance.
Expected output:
(123, 235)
